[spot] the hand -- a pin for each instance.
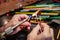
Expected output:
(16, 19)
(46, 34)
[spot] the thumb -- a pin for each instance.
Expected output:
(46, 27)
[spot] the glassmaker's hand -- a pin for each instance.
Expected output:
(15, 20)
(46, 34)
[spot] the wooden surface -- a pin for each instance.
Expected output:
(11, 5)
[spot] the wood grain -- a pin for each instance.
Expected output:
(11, 5)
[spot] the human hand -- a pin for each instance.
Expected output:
(46, 34)
(15, 20)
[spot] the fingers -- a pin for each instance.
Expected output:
(16, 19)
(36, 30)
(27, 25)
(46, 30)
(33, 34)
(16, 30)
(38, 27)
(46, 27)
(47, 33)
(21, 16)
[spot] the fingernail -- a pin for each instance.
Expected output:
(28, 28)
